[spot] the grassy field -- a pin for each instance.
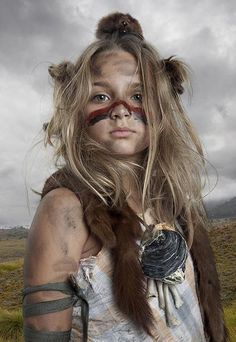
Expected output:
(11, 249)
(223, 239)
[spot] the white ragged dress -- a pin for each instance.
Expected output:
(108, 324)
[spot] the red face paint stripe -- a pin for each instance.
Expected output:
(108, 109)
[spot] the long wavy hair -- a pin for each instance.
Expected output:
(170, 174)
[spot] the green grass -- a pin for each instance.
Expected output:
(11, 266)
(230, 318)
(11, 325)
(223, 241)
(11, 285)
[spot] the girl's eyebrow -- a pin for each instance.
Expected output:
(136, 85)
(102, 84)
(108, 85)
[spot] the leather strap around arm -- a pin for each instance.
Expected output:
(76, 293)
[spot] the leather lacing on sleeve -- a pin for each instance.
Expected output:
(70, 288)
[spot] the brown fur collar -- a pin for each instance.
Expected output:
(110, 226)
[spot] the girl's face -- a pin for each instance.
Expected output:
(114, 113)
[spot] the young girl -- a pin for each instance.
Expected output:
(118, 249)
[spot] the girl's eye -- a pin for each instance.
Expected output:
(100, 98)
(137, 97)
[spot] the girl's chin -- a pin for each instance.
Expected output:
(127, 154)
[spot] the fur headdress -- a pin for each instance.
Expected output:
(119, 23)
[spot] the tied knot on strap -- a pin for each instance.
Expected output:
(84, 305)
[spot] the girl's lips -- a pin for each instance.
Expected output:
(122, 133)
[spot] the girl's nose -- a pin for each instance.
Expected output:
(119, 112)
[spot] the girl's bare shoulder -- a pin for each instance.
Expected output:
(61, 209)
(57, 236)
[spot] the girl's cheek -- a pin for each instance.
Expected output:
(140, 117)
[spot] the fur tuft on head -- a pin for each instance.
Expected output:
(177, 74)
(118, 22)
(62, 72)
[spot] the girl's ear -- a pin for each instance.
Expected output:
(62, 72)
(177, 72)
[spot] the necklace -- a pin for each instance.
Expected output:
(163, 253)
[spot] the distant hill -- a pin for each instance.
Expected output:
(215, 209)
(223, 210)
(18, 232)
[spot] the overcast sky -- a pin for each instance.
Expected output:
(34, 34)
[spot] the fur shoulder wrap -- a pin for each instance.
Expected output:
(110, 226)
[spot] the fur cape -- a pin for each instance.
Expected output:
(119, 229)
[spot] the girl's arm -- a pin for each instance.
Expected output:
(54, 247)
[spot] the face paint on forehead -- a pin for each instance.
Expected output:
(124, 67)
(100, 61)
(105, 113)
(96, 70)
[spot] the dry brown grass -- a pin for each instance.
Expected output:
(12, 249)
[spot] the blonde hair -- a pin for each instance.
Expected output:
(169, 176)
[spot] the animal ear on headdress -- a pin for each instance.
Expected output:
(177, 72)
(118, 22)
(62, 72)
(45, 126)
